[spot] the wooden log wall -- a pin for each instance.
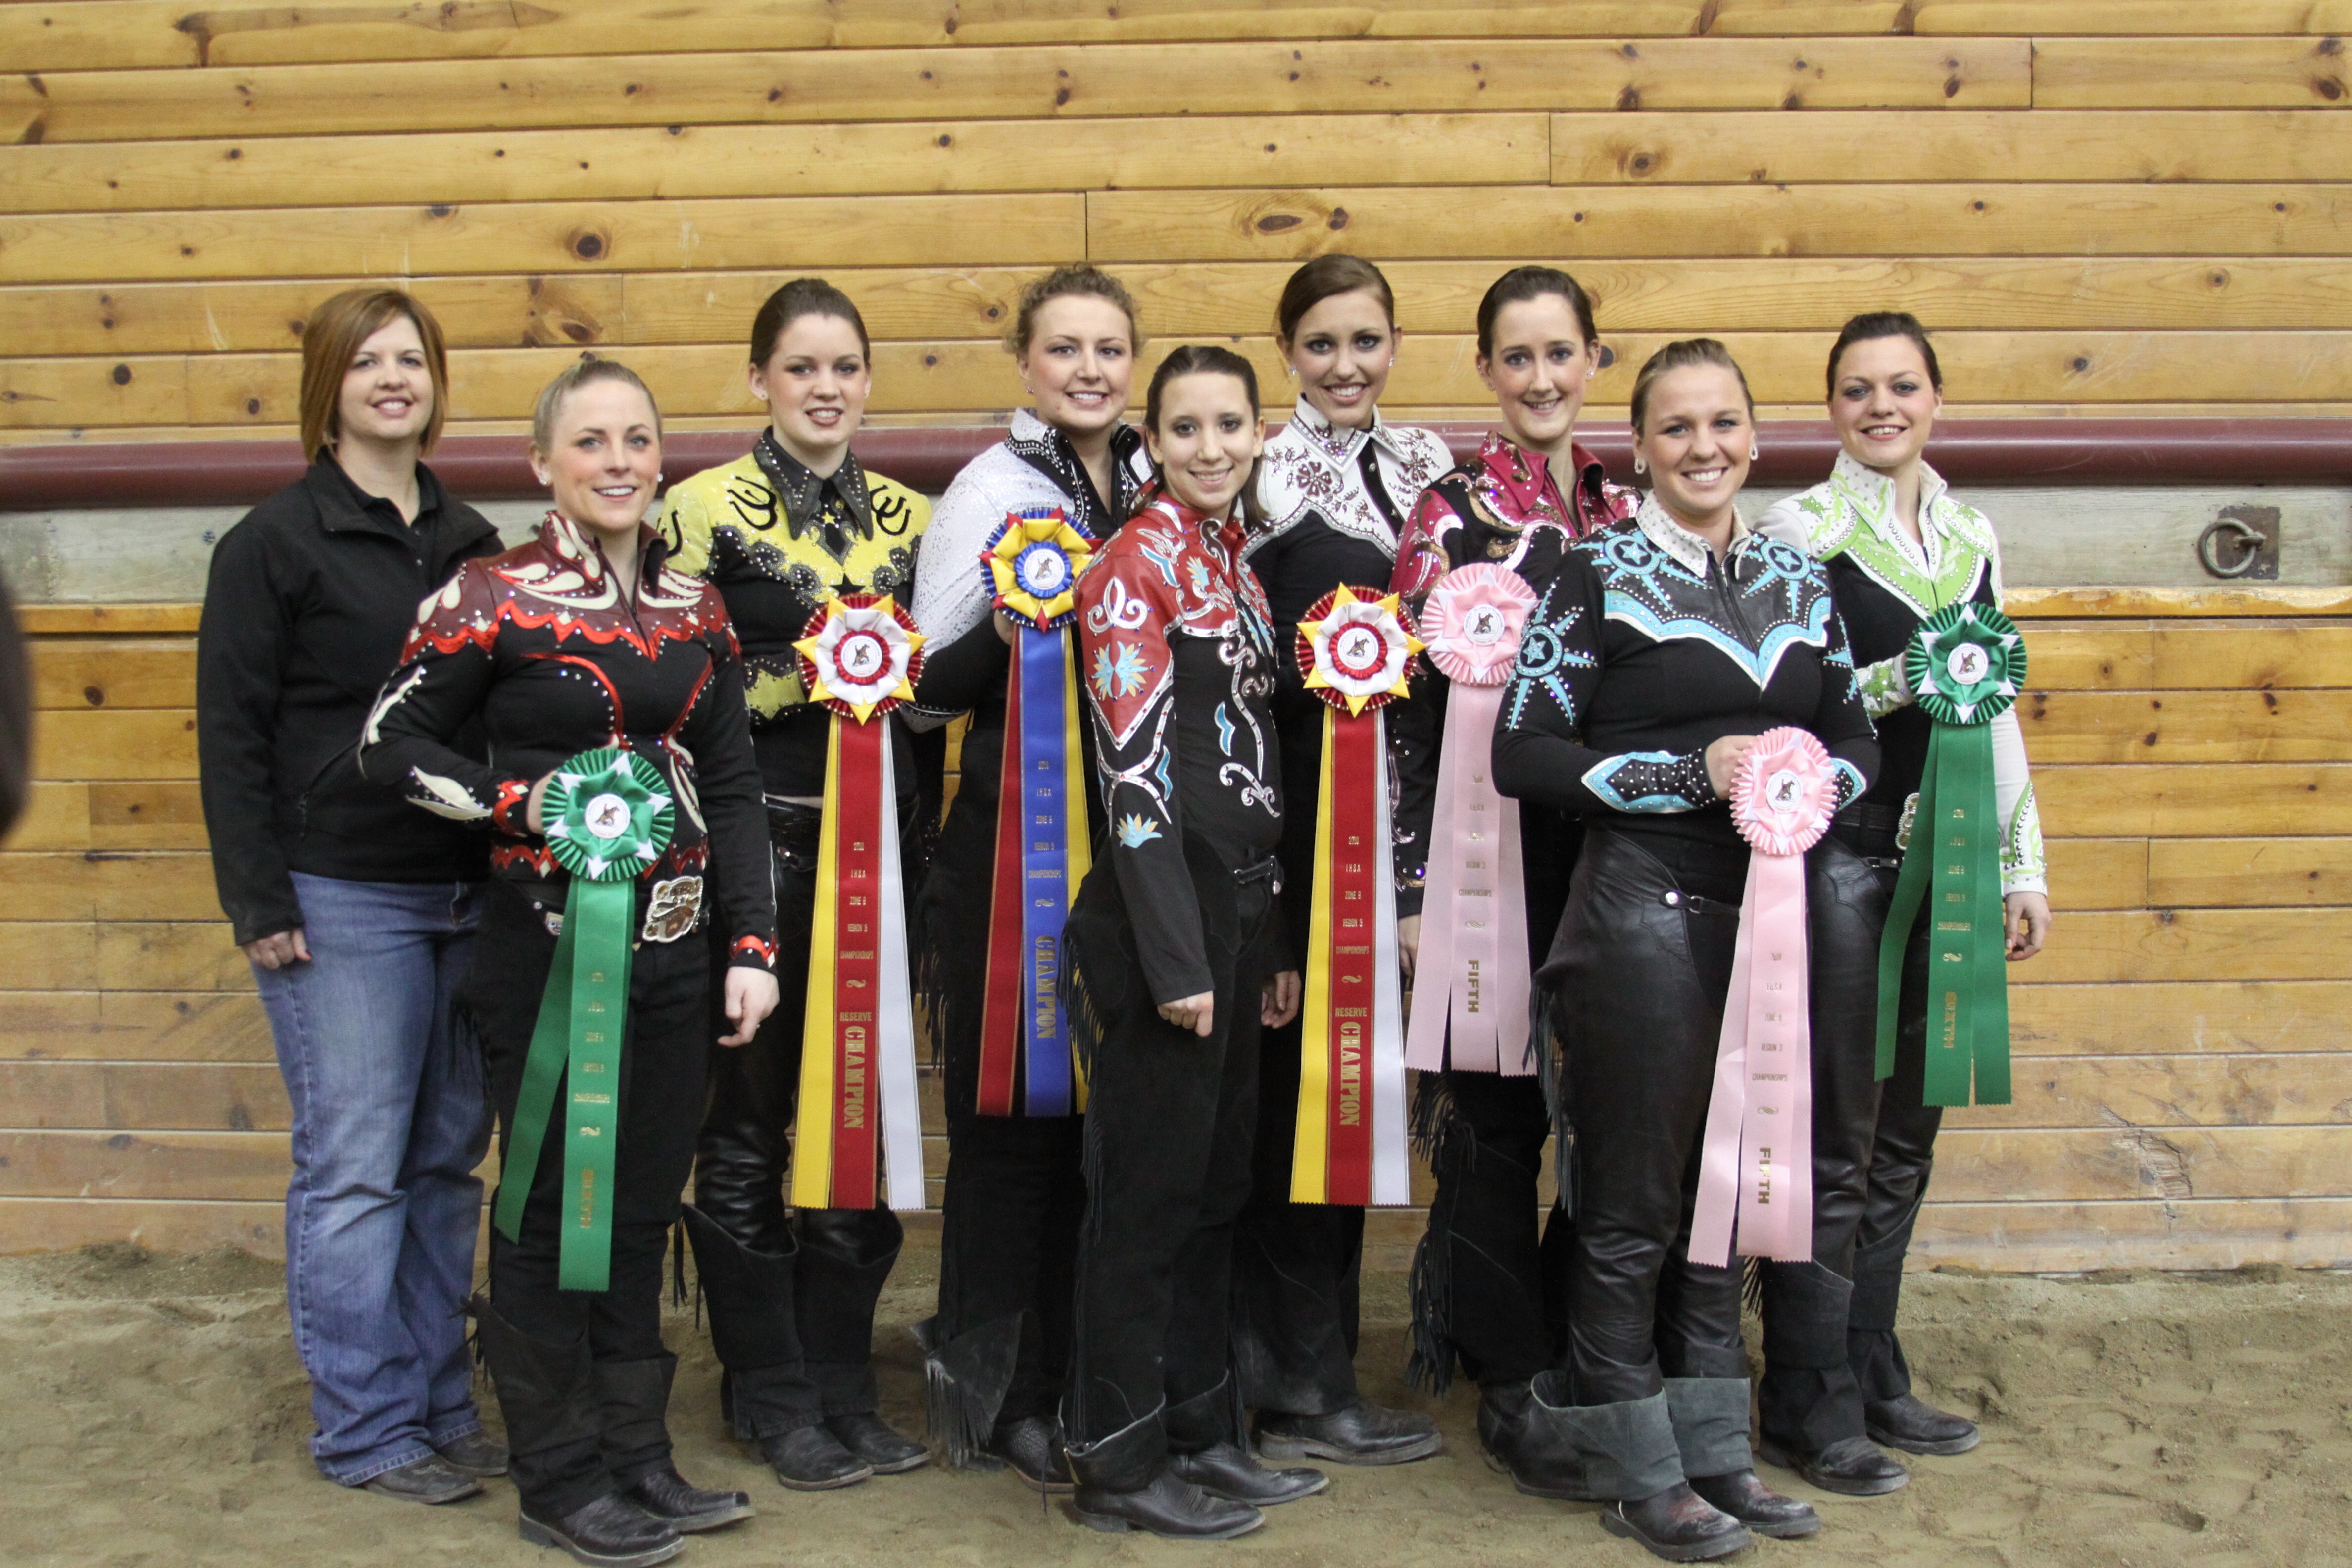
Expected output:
(2104, 205)
(2184, 1092)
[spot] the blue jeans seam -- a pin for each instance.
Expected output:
(408, 1451)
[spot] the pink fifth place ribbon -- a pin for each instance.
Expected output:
(1470, 974)
(1757, 1166)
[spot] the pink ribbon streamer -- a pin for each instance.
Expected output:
(1756, 1167)
(1471, 976)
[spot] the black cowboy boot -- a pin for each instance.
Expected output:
(1810, 1402)
(635, 1398)
(1204, 1448)
(844, 1260)
(1630, 1455)
(1124, 1483)
(1710, 1420)
(554, 1437)
(1526, 1433)
(763, 1393)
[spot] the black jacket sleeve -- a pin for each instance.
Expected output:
(1541, 753)
(961, 675)
(717, 734)
(442, 681)
(241, 649)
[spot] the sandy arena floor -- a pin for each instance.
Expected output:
(153, 1413)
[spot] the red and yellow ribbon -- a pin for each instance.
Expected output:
(858, 1115)
(1353, 649)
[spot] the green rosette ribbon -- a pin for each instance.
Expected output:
(1966, 665)
(609, 816)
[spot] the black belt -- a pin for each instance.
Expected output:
(1266, 870)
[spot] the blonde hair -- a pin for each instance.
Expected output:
(588, 369)
(332, 340)
(1683, 354)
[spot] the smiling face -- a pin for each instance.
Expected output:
(1080, 365)
(604, 457)
(1342, 351)
(1696, 437)
(814, 384)
(1207, 439)
(1539, 370)
(1884, 404)
(386, 397)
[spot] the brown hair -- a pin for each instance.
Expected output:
(332, 340)
(1078, 277)
(1683, 354)
(803, 297)
(1521, 284)
(588, 369)
(1886, 324)
(1201, 358)
(1326, 278)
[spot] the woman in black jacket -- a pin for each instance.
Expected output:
(357, 913)
(1660, 650)
(587, 639)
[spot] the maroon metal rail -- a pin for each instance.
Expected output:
(1794, 452)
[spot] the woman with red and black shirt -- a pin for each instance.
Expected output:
(586, 638)
(1532, 491)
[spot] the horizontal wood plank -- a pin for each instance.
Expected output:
(679, 162)
(145, 1096)
(158, 955)
(2177, 1162)
(1839, 146)
(116, 743)
(2090, 655)
(2062, 1237)
(154, 815)
(2099, 873)
(1987, 218)
(109, 885)
(542, 236)
(117, 620)
(2195, 800)
(2208, 871)
(88, 673)
(2266, 726)
(1057, 81)
(133, 1026)
(2131, 604)
(977, 377)
(2154, 1092)
(61, 1224)
(2193, 945)
(2190, 1018)
(1664, 295)
(2188, 73)
(2259, 657)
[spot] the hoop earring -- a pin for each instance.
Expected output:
(1641, 464)
(1754, 453)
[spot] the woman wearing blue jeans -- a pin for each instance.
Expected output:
(356, 910)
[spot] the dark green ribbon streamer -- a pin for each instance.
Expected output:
(1952, 867)
(575, 1046)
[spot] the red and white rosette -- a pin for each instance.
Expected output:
(1756, 1171)
(1471, 980)
(860, 654)
(1353, 649)
(860, 1117)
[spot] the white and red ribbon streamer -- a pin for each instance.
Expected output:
(1471, 979)
(1756, 1169)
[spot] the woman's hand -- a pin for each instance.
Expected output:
(751, 997)
(534, 813)
(279, 950)
(1408, 944)
(1193, 1013)
(1280, 1003)
(1723, 759)
(2028, 919)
